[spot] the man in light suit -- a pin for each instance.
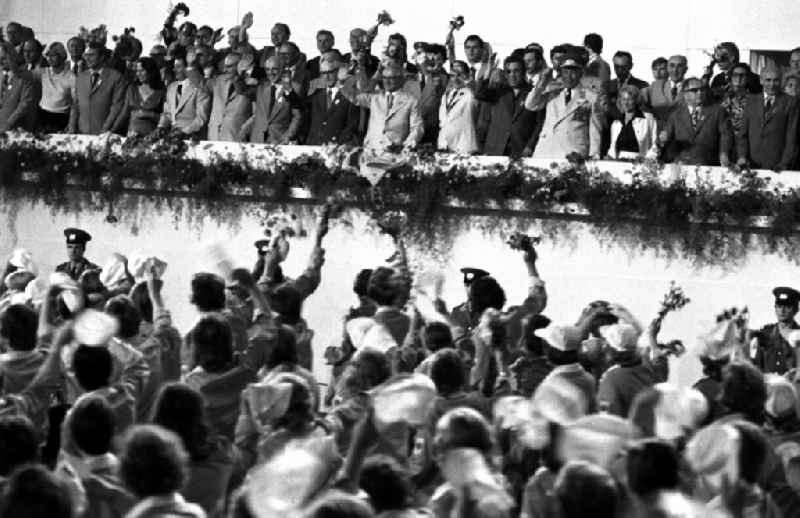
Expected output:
(574, 115)
(277, 116)
(334, 119)
(512, 129)
(663, 95)
(231, 104)
(394, 118)
(187, 106)
(19, 92)
(697, 134)
(99, 95)
(768, 138)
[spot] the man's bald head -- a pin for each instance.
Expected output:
(771, 79)
(677, 67)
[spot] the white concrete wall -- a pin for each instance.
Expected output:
(576, 266)
(647, 28)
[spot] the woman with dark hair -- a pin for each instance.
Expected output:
(181, 409)
(144, 100)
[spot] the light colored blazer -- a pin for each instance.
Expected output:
(646, 131)
(277, 121)
(18, 103)
(457, 121)
(95, 110)
(190, 115)
(569, 128)
(228, 113)
(401, 125)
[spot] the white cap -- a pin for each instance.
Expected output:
(562, 338)
(94, 328)
(620, 337)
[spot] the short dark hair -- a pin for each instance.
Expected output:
(381, 286)
(188, 27)
(744, 391)
(34, 492)
(399, 37)
(213, 343)
(468, 429)
(285, 28)
(92, 366)
(325, 32)
(510, 59)
(486, 292)
(18, 324)
(745, 66)
(96, 45)
(153, 461)
(447, 371)
(206, 28)
(473, 37)
(594, 41)
(585, 489)
(375, 367)
(287, 301)
(652, 466)
(658, 62)
(123, 308)
(284, 351)
(563, 48)
(208, 292)
(437, 336)
(181, 408)
(794, 51)
(436, 48)
(753, 450)
(361, 282)
(20, 443)
(92, 425)
(623, 54)
(386, 483)
(559, 357)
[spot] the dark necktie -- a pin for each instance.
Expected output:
(178, 94)
(674, 92)
(567, 96)
(696, 118)
(770, 102)
(95, 79)
(231, 89)
(75, 69)
(271, 96)
(389, 101)
(329, 99)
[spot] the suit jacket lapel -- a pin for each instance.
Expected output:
(519, 102)
(275, 109)
(188, 93)
(776, 104)
(686, 119)
(99, 82)
(397, 101)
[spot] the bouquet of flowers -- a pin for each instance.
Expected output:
(384, 18)
(392, 223)
(284, 225)
(523, 242)
(457, 22)
(673, 300)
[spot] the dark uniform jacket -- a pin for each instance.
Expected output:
(75, 270)
(774, 353)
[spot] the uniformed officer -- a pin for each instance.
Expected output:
(462, 314)
(76, 247)
(773, 350)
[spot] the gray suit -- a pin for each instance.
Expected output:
(273, 122)
(19, 99)
(95, 109)
(230, 109)
(190, 114)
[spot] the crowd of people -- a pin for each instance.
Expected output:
(403, 99)
(487, 409)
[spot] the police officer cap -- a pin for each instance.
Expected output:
(472, 274)
(76, 236)
(262, 245)
(784, 295)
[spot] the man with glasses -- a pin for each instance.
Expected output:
(663, 95)
(99, 95)
(768, 136)
(696, 134)
(394, 118)
(334, 119)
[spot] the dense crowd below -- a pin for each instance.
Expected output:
(423, 97)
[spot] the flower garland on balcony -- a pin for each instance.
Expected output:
(704, 223)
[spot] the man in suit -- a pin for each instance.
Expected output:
(277, 115)
(535, 69)
(623, 64)
(76, 248)
(325, 42)
(512, 128)
(695, 134)
(76, 47)
(20, 92)
(574, 115)
(334, 119)
(99, 95)
(360, 44)
(768, 138)
(291, 60)
(663, 95)
(279, 34)
(597, 66)
(726, 56)
(187, 106)
(231, 103)
(394, 118)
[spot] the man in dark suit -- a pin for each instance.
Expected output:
(99, 95)
(623, 63)
(696, 134)
(512, 128)
(20, 92)
(360, 43)
(768, 138)
(325, 42)
(76, 247)
(334, 119)
(726, 55)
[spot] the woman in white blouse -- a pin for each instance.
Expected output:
(633, 133)
(457, 113)
(58, 81)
